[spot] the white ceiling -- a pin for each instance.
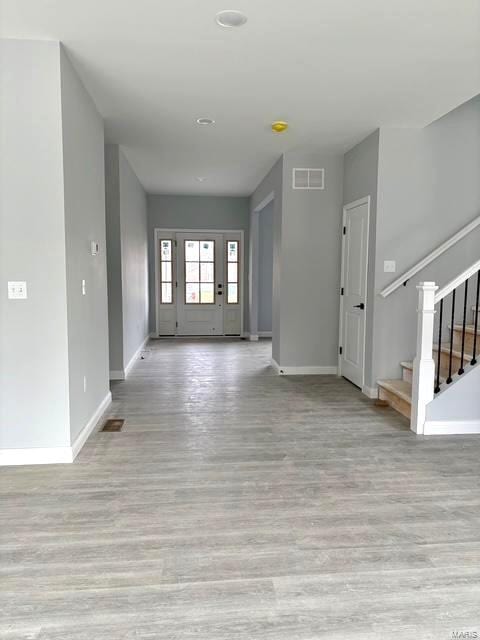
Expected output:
(335, 69)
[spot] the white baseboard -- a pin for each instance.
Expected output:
(35, 455)
(90, 426)
(55, 455)
(451, 427)
(303, 371)
(253, 337)
(370, 392)
(121, 374)
(133, 359)
(264, 334)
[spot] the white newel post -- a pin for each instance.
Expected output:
(423, 364)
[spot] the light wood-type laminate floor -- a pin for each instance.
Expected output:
(240, 505)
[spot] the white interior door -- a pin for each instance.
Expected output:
(354, 289)
(200, 284)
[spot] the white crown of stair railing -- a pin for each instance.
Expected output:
(443, 317)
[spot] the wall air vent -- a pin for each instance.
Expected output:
(308, 179)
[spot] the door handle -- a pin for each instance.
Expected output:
(359, 306)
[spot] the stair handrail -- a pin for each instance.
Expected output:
(456, 282)
(433, 255)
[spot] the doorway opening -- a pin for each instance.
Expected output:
(199, 282)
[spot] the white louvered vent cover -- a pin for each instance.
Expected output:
(308, 178)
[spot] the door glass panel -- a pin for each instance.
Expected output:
(232, 297)
(206, 292)
(207, 272)
(166, 272)
(233, 251)
(192, 273)
(166, 292)
(232, 272)
(207, 250)
(166, 249)
(191, 250)
(199, 271)
(192, 292)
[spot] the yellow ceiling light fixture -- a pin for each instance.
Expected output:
(279, 126)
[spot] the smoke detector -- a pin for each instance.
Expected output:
(230, 18)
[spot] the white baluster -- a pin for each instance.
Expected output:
(423, 364)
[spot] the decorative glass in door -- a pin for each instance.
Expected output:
(199, 271)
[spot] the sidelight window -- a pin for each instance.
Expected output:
(166, 272)
(232, 271)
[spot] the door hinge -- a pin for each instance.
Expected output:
(344, 231)
(341, 291)
(176, 284)
(340, 350)
(176, 324)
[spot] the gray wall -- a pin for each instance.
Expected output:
(133, 218)
(114, 257)
(272, 184)
(196, 212)
(310, 264)
(34, 406)
(360, 174)
(84, 184)
(127, 254)
(428, 190)
(306, 261)
(265, 269)
(52, 206)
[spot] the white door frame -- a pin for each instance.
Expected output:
(346, 208)
(158, 233)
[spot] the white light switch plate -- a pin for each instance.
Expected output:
(389, 266)
(17, 290)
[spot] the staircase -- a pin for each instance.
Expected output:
(446, 347)
(397, 393)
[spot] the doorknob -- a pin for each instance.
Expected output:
(359, 306)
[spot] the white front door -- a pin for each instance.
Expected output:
(354, 290)
(200, 284)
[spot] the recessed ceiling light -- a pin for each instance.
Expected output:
(201, 178)
(230, 18)
(205, 121)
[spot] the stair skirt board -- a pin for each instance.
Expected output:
(303, 371)
(451, 427)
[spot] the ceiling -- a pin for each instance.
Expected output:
(335, 69)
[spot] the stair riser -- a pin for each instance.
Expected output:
(469, 338)
(399, 404)
(444, 363)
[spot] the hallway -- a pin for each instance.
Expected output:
(240, 505)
